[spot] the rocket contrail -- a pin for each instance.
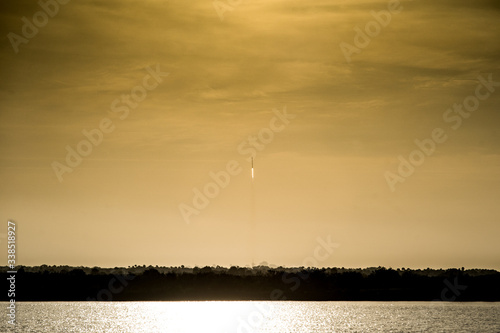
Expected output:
(252, 221)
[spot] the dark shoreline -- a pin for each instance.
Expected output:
(140, 283)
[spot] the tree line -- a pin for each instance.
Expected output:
(141, 283)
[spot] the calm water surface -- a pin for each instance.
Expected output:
(245, 317)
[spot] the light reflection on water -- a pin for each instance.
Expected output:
(244, 317)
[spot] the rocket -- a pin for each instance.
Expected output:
(252, 167)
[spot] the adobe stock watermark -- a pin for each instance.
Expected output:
(11, 264)
(448, 294)
(30, 28)
(451, 291)
(226, 6)
(372, 29)
(256, 318)
(220, 180)
(115, 286)
(453, 116)
(120, 107)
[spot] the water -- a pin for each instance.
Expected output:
(244, 317)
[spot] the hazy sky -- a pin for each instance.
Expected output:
(323, 173)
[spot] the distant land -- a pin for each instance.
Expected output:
(153, 283)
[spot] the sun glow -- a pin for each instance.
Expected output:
(207, 317)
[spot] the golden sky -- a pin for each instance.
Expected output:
(233, 67)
